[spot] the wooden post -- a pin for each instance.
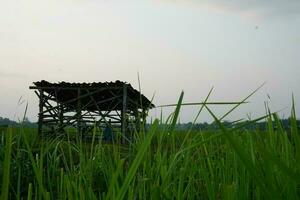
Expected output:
(124, 110)
(61, 118)
(78, 112)
(40, 121)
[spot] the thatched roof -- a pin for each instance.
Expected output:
(106, 94)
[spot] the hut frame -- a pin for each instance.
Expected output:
(86, 105)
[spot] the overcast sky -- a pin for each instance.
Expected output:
(175, 45)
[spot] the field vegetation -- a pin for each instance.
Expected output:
(226, 163)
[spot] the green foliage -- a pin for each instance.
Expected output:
(224, 163)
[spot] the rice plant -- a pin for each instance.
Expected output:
(163, 163)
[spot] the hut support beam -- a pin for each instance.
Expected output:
(124, 109)
(61, 118)
(78, 112)
(41, 105)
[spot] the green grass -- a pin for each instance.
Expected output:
(228, 163)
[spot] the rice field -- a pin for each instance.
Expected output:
(227, 163)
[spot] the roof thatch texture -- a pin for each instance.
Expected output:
(105, 94)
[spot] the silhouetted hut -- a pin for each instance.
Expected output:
(86, 105)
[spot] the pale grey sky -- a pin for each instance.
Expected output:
(174, 44)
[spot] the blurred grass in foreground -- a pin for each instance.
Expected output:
(228, 163)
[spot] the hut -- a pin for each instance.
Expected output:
(86, 105)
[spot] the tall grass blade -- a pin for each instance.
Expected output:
(29, 195)
(243, 101)
(135, 164)
(6, 166)
(176, 113)
(246, 159)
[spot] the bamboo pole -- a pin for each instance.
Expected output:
(40, 120)
(124, 109)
